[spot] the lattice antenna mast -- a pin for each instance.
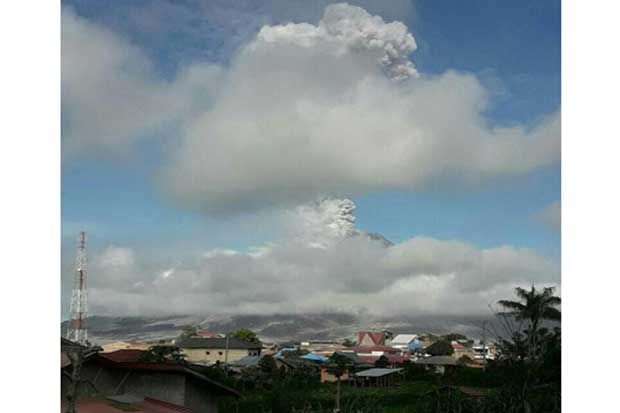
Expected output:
(77, 325)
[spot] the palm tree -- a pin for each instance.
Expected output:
(337, 365)
(533, 307)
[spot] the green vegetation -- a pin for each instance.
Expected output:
(525, 378)
(245, 334)
(440, 348)
(163, 354)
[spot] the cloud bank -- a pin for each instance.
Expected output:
(302, 273)
(303, 111)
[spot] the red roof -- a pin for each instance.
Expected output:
(377, 337)
(124, 356)
(366, 349)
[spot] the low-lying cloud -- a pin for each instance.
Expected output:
(303, 273)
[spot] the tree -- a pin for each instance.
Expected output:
(245, 334)
(533, 307)
(382, 362)
(440, 348)
(77, 353)
(454, 337)
(163, 354)
(348, 342)
(337, 365)
(268, 365)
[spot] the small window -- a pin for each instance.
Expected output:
(220, 353)
(208, 352)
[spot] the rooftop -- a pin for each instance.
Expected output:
(218, 342)
(438, 361)
(124, 404)
(403, 339)
(376, 372)
(131, 359)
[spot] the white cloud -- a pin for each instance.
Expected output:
(112, 97)
(304, 111)
(353, 273)
(307, 111)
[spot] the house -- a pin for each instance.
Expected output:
(439, 364)
(375, 350)
(322, 347)
(213, 349)
(270, 348)
(394, 360)
(485, 351)
(123, 373)
(460, 350)
(370, 338)
(376, 377)
(403, 341)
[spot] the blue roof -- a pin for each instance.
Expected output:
(314, 357)
(415, 345)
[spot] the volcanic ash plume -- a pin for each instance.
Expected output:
(348, 29)
(325, 222)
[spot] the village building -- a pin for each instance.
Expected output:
(485, 351)
(403, 341)
(376, 377)
(106, 375)
(211, 350)
(460, 350)
(323, 347)
(370, 338)
(269, 348)
(438, 364)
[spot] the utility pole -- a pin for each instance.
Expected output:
(226, 353)
(77, 330)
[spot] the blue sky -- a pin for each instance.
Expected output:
(511, 47)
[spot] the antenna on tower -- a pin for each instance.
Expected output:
(77, 325)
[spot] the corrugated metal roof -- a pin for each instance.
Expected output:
(246, 361)
(128, 363)
(403, 339)
(376, 372)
